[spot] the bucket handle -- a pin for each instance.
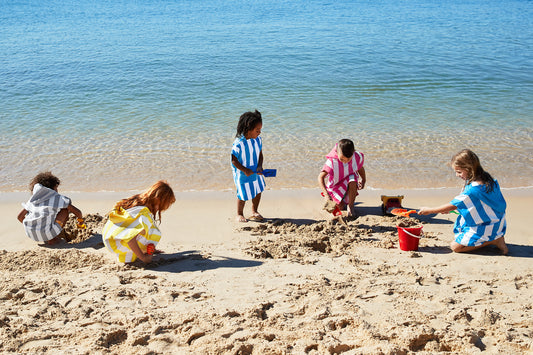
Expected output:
(414, 235)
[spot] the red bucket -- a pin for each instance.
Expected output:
(409, 237)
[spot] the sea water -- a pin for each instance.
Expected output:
(114, 95)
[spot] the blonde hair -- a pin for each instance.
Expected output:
(468, 160)
(158, 198)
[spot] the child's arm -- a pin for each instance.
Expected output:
(239, 166)
(137, 251)
(260, 163)
(21, 215)
(441, 209)
(322, 185)
(362, 174)
(75, 211)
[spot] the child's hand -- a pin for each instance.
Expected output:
(259, 170)
(147, 258)
(423, 211)
(248, 172)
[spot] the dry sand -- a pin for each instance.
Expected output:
(296, 284)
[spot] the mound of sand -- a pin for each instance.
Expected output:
(280, 239)
(93, 222)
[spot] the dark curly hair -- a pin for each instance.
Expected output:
(247, 122)
(47, 179)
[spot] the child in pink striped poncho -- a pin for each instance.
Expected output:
(339, 178)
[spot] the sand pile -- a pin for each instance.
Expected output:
(93, 222)
(303, 241)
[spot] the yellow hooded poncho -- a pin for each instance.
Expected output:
(124, 225)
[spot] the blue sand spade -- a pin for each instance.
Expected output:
(269, 172)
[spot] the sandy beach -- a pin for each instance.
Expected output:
(295, 284)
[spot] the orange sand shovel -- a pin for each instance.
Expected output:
(402, 212)
(150, 249)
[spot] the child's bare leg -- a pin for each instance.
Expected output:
(352, 193)
(500, 243)
(255, 206)
(240, 211)
(62, 216)
(61, 219)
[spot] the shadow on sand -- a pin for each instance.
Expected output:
(94, 241)
(193, 260)
(515, 250)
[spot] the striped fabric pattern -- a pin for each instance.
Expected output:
(43, 207)
(247, 152)
(481, 215)
(340, 174)
(124, 225)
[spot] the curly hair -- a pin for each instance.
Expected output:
(47, 179)
(247, 122)
(158, 198)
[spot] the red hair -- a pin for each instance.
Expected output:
(158, 198)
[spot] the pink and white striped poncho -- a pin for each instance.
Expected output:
(340, 174)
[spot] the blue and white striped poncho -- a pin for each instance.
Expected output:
(481, 215)
(247, 152)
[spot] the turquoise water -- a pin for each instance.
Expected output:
(113, 95)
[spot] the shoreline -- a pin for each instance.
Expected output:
(6, 196)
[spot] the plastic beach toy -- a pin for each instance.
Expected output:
(402, 212)
(335, 210)
(408, 237)
(81, 223)
(150, 249)
(269, 172)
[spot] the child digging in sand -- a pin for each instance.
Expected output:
(481, 207)
(340, 174)
(247, 164)
(131, 231)
(46, 212)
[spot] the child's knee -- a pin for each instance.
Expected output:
(456, 247)
(352, 185)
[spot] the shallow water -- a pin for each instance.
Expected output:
(112, 96)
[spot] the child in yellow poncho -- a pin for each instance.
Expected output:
(131, 226)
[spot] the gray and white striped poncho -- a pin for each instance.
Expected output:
(42, 207)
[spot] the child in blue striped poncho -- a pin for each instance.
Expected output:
(481, 207)
(247, 164)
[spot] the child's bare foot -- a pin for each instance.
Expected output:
(256, 217)
(53, 241)
(351, 211)
(240, 219)
(500, 243)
